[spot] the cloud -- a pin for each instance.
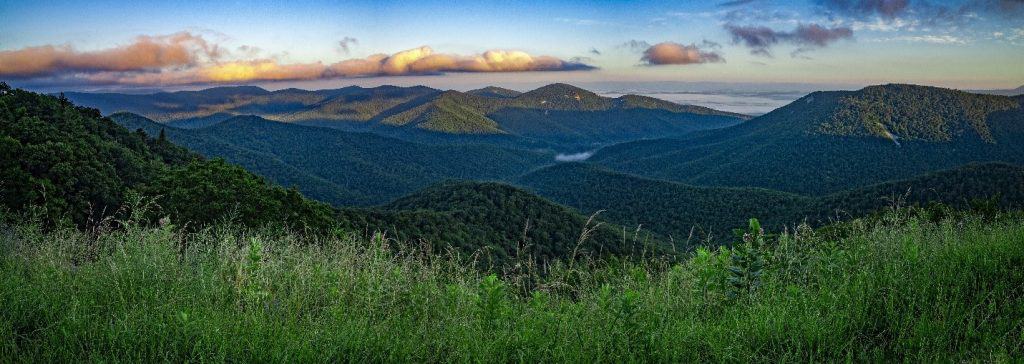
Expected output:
(675, 53)
(736, 3)
(761, 39)
(817, 35)
(575, 157)
(933, 39)
(186, 59)
(634, 45)
(913, 12)
(1003, 8)
(865, 8)
(582, 22)
(345, 43)
(709, 44)
(144, 53)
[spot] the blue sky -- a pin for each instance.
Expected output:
(967, 44)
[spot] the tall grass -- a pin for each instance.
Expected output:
(899, 288)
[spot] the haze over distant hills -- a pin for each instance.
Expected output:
(555, 115)
(1010, 92)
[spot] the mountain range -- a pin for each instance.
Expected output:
(476, 171)
(829, 155)
(556, 116)
(338, 167)
(67, 165)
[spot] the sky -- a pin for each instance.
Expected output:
(92, 45)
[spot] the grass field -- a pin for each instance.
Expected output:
(895, 288)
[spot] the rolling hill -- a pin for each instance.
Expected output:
(338, 167)
(67, 164)
(506, 218)
(827, 142)
(692, 213)
(554, 116)
(62, 163)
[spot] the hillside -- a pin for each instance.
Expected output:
(693, 213)
(556, 115)
(67, 163)
(505, 217)
(685, 213)
(342, 168)
(958, 187)
(855, 138)
(257, 162)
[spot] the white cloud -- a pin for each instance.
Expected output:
(933, 39)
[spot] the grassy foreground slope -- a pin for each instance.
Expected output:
(898, 288)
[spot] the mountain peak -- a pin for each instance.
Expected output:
(495, 92)
(898, 112)
(560, 89)
(913, 112)
(563, 96)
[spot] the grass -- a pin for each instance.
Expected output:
(896, 288)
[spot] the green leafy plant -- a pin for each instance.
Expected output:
(747, 262)
(491, 299)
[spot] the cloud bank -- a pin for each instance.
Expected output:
(184, 58)
(862, 8)
(675, 53)
(143, 54)
(761, 39)
(929, 12)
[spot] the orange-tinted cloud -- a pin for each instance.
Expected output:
(187, 59)
(675, 53)
(145, 53)
(423, 60)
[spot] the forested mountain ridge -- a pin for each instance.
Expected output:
(907, 112)
(338, 167)
(495, 92)
(556, 114)
(689, 212)
(514, 216)
(827, 142)
(68, 163)
(351, 103)
(62, 163)
(667, 208)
